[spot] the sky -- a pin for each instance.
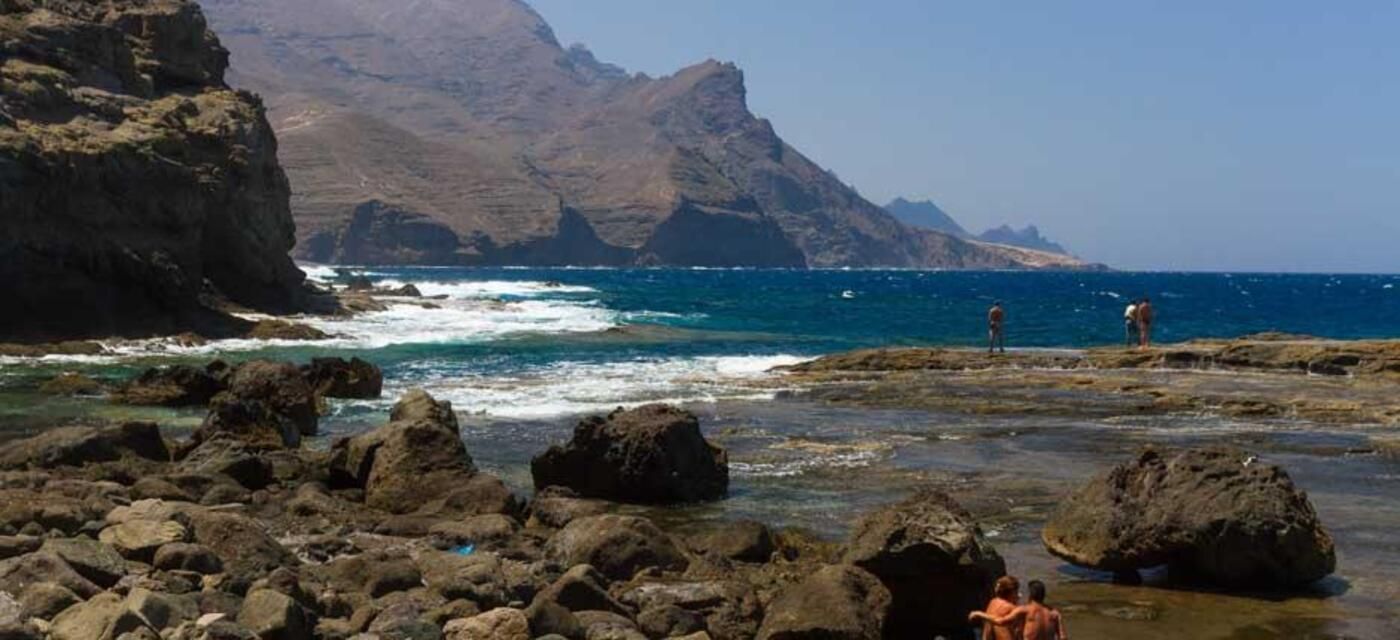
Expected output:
(1187, 135)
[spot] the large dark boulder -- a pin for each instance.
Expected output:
(281, 386)
(253, 422)
(838, 602)
(339, 378)
(1212, 515)
(617, 546)
(418, 463)
(179, 385)
(79, 446)
(933, 558)
(652, 454)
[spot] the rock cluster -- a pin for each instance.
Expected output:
(1211, 515)
(117, 533)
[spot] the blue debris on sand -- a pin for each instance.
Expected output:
(464, 550)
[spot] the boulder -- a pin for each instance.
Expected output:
(933, 558)
(104, 617)
(274, 616)
(139, 539)
(374, 574)
(606, 625)
(46, 599)
(838, 602)
(155, 488)
(281, 387)
(1214, 515)
(185, 556)
(173, 386)
(482, 577)
(582, 588)
(554, 507)
(487, 530)
(502, 623)
(418, 462)
(339, 378)
(247, 550)
(652, 454)
(273, 329)
(745, 541)
(78, 446)
(19, 573)
(255, 422)
(617, 546)
(234, 458)
(669, 621)
(11, 546)
(550, 618)
(403, 621)
(162, 610)
(96, 561)
(730, 609)
(71, 384)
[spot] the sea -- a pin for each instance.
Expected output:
(523, 353)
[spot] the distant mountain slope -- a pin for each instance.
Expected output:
(925, 214)
(462, 132)
(1027, 238)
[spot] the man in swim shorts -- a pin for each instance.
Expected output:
(996, 319)
(1144, 315)
(1037, 621)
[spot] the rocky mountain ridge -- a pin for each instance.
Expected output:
(465, 133)
(138, 189)
(925, 214)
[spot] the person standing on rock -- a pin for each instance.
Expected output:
(1144, 322)
(996, 335)
(1130, 324)
(1034, 620)
(1005, 595)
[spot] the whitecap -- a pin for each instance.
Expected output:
(573, 388)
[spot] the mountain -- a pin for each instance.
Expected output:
(136, 187)
(1027, 238)
(463, 132)
(925, 214)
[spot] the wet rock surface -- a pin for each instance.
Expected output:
(1219, 516)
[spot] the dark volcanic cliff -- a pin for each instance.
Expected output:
(461, 132)
(135, 186)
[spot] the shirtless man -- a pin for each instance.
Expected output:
(1037, 621)
(1004, 597)
(996, 337)
(1144, 318)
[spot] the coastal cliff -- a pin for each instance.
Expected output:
(140, 194)
(464, 133)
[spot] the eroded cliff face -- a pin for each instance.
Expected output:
(468, 117)
(137, 190)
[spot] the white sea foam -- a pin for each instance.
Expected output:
(487, 289)
(572, 388)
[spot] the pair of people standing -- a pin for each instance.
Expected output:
(1137, 323)
(1007, 619)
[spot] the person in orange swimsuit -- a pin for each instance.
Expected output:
(1034, 620)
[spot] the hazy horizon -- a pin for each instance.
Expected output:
(1248, 137)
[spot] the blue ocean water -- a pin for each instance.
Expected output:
(540, 342)
(525, 344)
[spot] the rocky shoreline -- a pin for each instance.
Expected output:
(240, 531)
(1343, 382)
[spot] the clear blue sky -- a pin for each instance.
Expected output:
(1239, 135)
